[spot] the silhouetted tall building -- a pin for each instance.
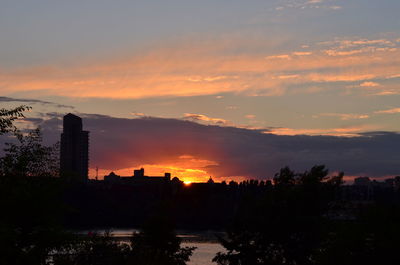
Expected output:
(74, 156)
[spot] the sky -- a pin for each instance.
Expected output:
(230, 89)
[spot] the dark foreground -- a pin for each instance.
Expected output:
(306, 218)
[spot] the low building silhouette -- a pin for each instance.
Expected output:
(362, 181)
(138, 178)
(74, 153)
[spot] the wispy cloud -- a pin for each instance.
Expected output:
(346, 47)
(388, 111)
(308, 4)
(343, 116)
(386, 93)
(347, 131)
(204, 118)
(314, 1)
(369, 84)
(288, 76)
(34, 101)
(280, 56)
(250, 116)
(302, 53)
(393, 76)
(346, 77)
(231, 107)
(210, 78)
(189, 69)
(138, 114)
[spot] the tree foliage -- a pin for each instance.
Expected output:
(8, 116)
(303, 221)
(286, 226)
(30, 219)
(158, 244)
(92, 249)
(31, 208)
(29, 157)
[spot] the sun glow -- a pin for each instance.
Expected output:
(187, 175)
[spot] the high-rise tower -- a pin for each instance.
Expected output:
(74, 156)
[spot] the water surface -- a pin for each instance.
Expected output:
(204, 253)
(205, 243)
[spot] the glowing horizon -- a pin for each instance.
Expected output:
(187, 175)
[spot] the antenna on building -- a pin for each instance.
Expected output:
(97, 173)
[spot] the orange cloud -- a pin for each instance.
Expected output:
(393, 76)
(302, 53)
(288, 76)
(387, 93)
(369, 84)
(344, 116)
(204, 118)
(250, 116)
(389, 111)
(281, 56)
(191, 69)
(351, 131)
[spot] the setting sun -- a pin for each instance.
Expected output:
(187, 175)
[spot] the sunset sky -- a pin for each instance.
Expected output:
(232, 89)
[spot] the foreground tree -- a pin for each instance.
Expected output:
(30, 220)
(8, 116)
(284, 227)
(93, 249)
(31, 208)
(372, 237)
(29, 157)
(158, 244)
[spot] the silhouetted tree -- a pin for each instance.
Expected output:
(371, 238)
(29, 157)
(336, 181)
(30, 220)
(158, 244)
(30, 208)
(315, 176)
(93, 249)
(8, 116)
(285, 177)
(283, 227)
(233, 183)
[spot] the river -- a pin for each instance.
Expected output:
(204, 252)
(205, 243)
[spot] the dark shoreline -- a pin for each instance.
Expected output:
(124, 234)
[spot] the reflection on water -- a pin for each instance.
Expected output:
(205, 243)
(204, 253)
